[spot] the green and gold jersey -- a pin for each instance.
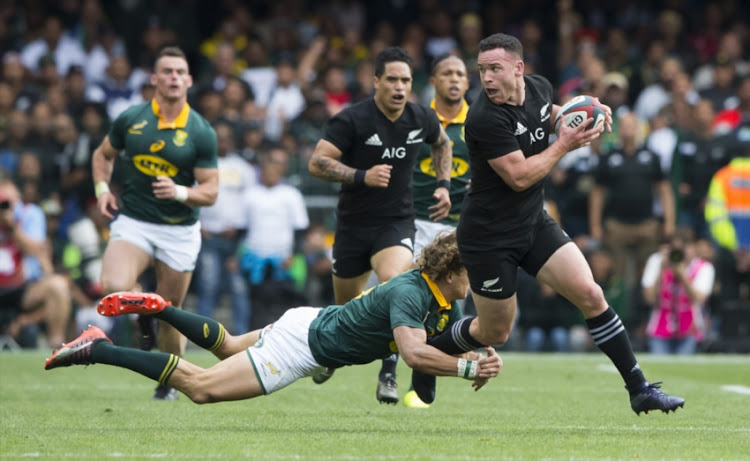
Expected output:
(153, 147)
(361, 330)
(424, 173)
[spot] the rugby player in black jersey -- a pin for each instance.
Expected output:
(503, 225)
(371, 148)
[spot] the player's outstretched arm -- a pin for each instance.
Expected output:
(412, 345)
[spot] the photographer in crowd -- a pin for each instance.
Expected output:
(676, 283)
(30, 292)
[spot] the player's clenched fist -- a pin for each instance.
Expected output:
(378, 176)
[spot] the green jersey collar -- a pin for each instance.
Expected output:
(179, 122)
(460, 118)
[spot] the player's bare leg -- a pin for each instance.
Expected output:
(172, 286)
(345, 289)
(568, 273)
(122, 264)
(230, 379)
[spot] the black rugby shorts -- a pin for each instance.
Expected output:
(492, 265)
(354, 245)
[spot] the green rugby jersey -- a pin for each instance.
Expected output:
(153, 147)
(361, 330)
(424, 173)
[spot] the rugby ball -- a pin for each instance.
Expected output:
(578, 110)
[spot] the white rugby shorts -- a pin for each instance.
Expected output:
(282, 354)
(176, 246)
(426, 233)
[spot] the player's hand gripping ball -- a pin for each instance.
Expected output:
(578, 110)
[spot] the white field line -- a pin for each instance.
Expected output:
(744, 390)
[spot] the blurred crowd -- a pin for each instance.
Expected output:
(268, 75)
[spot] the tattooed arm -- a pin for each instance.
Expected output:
(442, 161)
(325, 164)
(442, 156)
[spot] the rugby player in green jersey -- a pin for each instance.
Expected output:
(168, 168)
(450, 79)
(397, 315)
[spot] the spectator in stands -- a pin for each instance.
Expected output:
(544, 316)
(729, 119)
(234, 95)
(658, 94)
(621, 205)
(318, 251)
(677, 283)
(731, 49)
(286, 101)
(33, 291)
(614, 87)
(15, 74)
(723, 91)
(276, 219)
(221, 67)
(222, 229)
(337, 96)
(701, 154)
(210, 103)
(363, 81)
(55, 42)
(62, 178)
(259, 74)
(115, 89)
(40, 134)
(726, 215)
(16, 140)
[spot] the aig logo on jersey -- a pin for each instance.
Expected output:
(394, 152)
(154, 166)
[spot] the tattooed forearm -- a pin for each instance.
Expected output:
(442, 156)
(331, 170)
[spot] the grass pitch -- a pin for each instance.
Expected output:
(552, 407)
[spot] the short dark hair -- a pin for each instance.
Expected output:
(170, 51)
(507, 42)
(391, 54)
(437, 60)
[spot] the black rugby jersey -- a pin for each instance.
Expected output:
(496, 130)
(367, 138)
(629, 180)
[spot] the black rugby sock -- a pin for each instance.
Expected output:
(611, 337)
(158, 366)
(457, 340)
(203, 331)
(389, 366)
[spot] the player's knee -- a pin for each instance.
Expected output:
(495, 335)
(591, 298)
(198, 392)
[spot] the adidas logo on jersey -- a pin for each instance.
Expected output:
(374, 140)
(520, 129)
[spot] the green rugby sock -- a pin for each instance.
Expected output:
(158, 366)
(203, 331)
